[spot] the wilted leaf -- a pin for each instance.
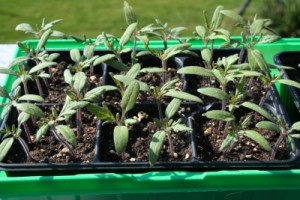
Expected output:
(120, 138)
(155, 146)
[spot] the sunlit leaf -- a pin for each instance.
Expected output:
(67, 133)
(269, 126)
(5, 147)
(42, 131)
(219, 115)
(80, 80)
(196, 70)
(155, 146)
(121, 135)
(43, 40)
(30, 109)
(172, 107)
(75, 55)
(257, 138)
(258, 109)
(128, 33)
(41, 66)
(214, 92)
(130, 95)
(183, 96)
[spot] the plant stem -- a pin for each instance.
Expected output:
(63, 141)
(241, 55)
(39, 86)
(133, 53)
(25, 148)
(160, 114)
(25, 87)
(164, 66)
(79, 122)
(171, 147)
(276, 146)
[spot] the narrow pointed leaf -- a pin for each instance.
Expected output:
(4, 70)
(127, 80)
(269, 126)
(43, 40)
(30, 109)
(103, 59)
(181, 128)
(31, 97)
(130, 95)
(3, 93)
(183, 96)
(172, 107)
(289, 82)
(101, 112)
(226, 142)
(153, 70)
(121, 135)
(117, 65)
(233, 16)
(42, 131)
(258, 109)
(257, 138)
(41, 66)
(5, 110)
(134, 70)
(98, 91)
(27, 28)
(196, 70)
(128, 33)
(214, 92)
(18, 61)
(23, 117)
(155, 146)
(67, 133)
(217, 18)
(168, 85)
(219, 115)
(5, 147)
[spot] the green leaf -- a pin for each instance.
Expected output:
(206, 54)
(103, 59)
(74, 105)
(4, 70)
(257, 138)
(269, 126)
(3, 93)
(42, 131)
(43, 40)
(153, 70)
(120, 138)
(31, 109)
(117, 65)
(128, 33)
(181, 128)
(75, 55)
(201, 31)
(288, 82)
(98, 91)
(257, 26)
(80, 80)
(296, 126)
(102, 113)
(130, 95)
(256, 59)
(27, 28)
(31, 97)
(168, 85)
(5, 147)
(5, 110)
(68, 77)
(291, 142)
(88, 51)
(214, 92)
(172, 107)
(155, 146)
(127, 80)
(233, 16)
(134, 70)
(217, 18)
(196, 70)
(23, 117)
(221, 79)
(18, 61)
(41, 66)
(129, 13)
(226, 142)
(67, 133)
(183, 96)
(219, 115)
(258, 109)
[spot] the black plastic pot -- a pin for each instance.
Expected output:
(290, 95)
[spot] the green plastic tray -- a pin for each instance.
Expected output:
(237, 184)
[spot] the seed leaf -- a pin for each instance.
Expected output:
(5, 147)
(201, 31)
(155, 146)
(183, 96)
(257, 137)
(67, 133)
(172, 107)
(130, 95)
(88, 51)
(80, 80)
(41, 66)
(42, 131)
(68, 77)
(120, 138)
(31, 109)
(258, 109)
(196, 70)
(219, 115)
(75, 55)
(269, 126)
(214, 92)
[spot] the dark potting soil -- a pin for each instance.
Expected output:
(209, 139)
(49, 150)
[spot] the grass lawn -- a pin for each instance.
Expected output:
(93, 17)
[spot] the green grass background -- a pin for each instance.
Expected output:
(92, 17)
